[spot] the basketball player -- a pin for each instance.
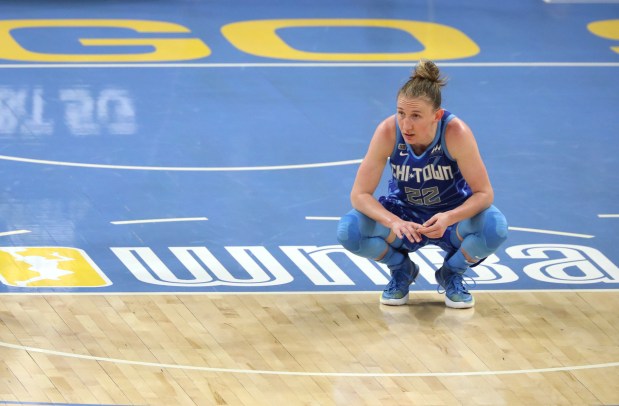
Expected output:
(439, 193)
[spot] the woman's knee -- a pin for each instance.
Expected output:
(349, 232)
(495, 227)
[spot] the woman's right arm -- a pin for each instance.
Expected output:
(367, 180)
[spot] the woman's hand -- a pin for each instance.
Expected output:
(406, 229)
(435, 227)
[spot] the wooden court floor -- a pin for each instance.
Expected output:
(534, 348)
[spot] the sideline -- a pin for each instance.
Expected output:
(317, 374)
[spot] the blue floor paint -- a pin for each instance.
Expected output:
(547, 135)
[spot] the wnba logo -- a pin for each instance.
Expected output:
(49, 267)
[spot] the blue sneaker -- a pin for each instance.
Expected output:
(396, 291)
(456, 294)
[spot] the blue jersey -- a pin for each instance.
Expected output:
(428, 183)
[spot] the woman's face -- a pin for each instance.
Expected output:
(417, 120)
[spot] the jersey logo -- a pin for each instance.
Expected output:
(49, 267)
(403, 153)
(436, 149)
(402, 147)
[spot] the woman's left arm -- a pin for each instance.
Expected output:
(463, 148)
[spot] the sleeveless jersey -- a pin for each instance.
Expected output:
(428, 183)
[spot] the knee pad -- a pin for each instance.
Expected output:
(485, 241)
(495, 228)
(349, 233)
(353, 235)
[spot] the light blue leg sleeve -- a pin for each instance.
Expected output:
(482, 235)
(365, 237)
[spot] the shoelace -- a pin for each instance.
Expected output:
(393, 288)
(458, 282)
(393, 283)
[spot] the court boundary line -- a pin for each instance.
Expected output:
(540, 231)
(304, 374)
(524, 229)
(14, 232)
(581, 1)
(160, 220)
(20, 403)
(304, 292)
(181, 168)
(199, 65)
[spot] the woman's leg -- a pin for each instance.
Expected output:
(474, 239)
(367, 238)
(477, 237)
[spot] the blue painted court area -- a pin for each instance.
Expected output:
(159, 147)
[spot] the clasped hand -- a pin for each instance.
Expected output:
(434, 228)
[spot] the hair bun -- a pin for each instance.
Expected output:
(428, 70)
(426, 82)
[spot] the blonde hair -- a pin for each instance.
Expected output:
(426, 82)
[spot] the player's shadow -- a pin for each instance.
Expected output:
(427, 310)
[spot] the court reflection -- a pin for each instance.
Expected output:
(36, 112)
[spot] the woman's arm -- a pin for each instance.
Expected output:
(463, 148)
(368, 177)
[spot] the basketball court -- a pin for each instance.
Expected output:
(174, 172)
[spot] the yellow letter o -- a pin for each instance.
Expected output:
(260, 38)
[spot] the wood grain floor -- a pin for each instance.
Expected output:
(310, 349)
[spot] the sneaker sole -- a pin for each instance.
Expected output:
(459, 305)
(394, 302)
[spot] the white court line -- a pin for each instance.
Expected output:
(311, 65)
(530, 230)
(535, 230)
(6, 233)
(181, 168)
(321, 374)
(300, 292)
(582, 1)
(166, 220)
(608, 216)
